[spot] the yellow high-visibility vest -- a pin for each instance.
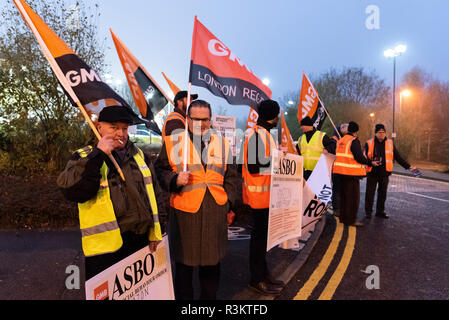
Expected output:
(312, 150)
(100, 231)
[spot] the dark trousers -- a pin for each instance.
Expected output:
(258, 245)
(336, 191)
(131, 243)
(349, 199)
(307, 174)
(209, 281)
(371, 186)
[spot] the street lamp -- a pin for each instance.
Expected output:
(393, 53)
(266, 81)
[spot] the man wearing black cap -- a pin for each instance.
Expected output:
(256, 174)
(177, 119)
(382, 149)
(312, 144)
(117, 218)
(349, 165)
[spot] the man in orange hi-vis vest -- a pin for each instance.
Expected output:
(200, 200)
(382, 149)
(256, 172)
(176, 121)
(350, 166)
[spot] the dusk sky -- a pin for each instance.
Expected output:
(280, 39)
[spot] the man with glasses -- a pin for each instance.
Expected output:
(381, 149)
(202, 189)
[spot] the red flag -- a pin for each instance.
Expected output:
(310, 104)
(218, 69)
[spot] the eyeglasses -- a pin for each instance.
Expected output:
(200, 119)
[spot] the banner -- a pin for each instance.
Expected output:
(317, 192)
(226, 127)
(285, 215)
(310, 104)
(218, 69)
(148, 96)
(80, 82)
(140, 276)
(287, 144)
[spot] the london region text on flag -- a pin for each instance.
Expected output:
(80, 82)
(216, 68)
(310, 104)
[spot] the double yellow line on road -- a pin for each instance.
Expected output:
(322, 268)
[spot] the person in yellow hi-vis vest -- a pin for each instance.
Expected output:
(202, 182)
(117, 218)
(312, 144)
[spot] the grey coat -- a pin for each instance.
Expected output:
(198, 239)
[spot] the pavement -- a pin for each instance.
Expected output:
(34, 262)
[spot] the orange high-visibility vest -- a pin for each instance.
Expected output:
(173, 116)
(191, 196)
(344, 162)
(256, 187)
(389, 154)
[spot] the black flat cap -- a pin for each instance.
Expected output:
(116, 114)
(183, 94)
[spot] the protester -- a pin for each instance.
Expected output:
(200, 200)
(177, 119)
(382, 149)
(349, 165)
(256, 173)
(117, 218)
(312, 144)
(342, 130)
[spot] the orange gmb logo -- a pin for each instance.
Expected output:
(102, 292)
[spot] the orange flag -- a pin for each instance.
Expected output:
(173, 87)
(310, 104)
(148, 96)
(287, 141)
(81, 83)
(253, 116)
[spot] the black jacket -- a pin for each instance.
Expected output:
(379, 152)
(80, 182)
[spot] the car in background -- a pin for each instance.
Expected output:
(147, 140)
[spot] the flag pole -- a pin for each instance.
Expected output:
(187, 128)
(59, 74)
(333, 124)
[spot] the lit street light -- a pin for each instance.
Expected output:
(393, 53)
(266, 81)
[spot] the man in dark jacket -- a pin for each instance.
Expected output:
(90, 172)
(378, 148)
(257, 166)
(176, 120)
(198, 233)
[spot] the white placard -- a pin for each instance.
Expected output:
(285, 213)
(140, 276)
